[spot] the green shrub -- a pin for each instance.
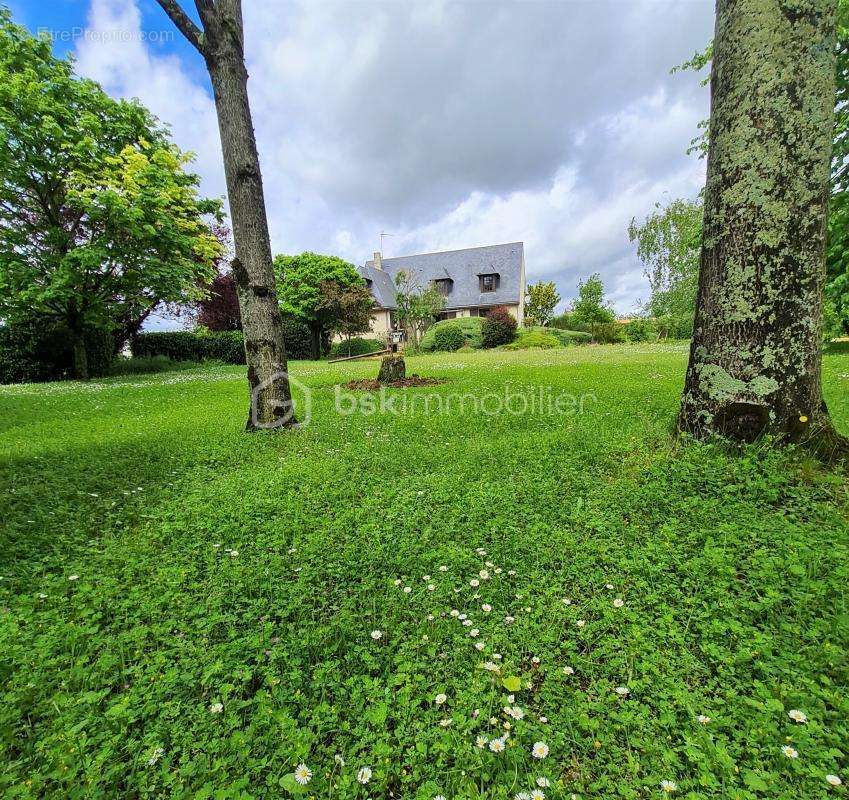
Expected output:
(225, 346)
(608, 332)
(568, 322)
(533, 338)
(356, 346)
(565, 337)
(448, 337)
(41, 350)
(641, 329)
(674, 327)
(148, 364)
(498, 327)
(297, 337)
(470, 326)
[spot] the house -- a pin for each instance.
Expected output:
(472, 281)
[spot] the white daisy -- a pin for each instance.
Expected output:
(668, 786)
(797, 716)
(364, 775)
(490, 666)
(443, 568)
(834, 780)
(702, 719)
(511, 572)
(581, 622)
(440, 699)
(446, 723)
(568, 671)
(535, 660)
(216, 708)
(537, 794)
(303, 774)
(425, 578)
(622, 691)
(474, 632)
(543, 782)
(375, 634)
(408, 589)
(234, 553)
(484, 575)
(430, 587)
(474, 583)
(455, 612)
(608, 586)
(73, 577)
(481, 742)
(618, 602)
(497, 745)
(479, 646)
(522, 796)
(508, 620)
(539, 750)
(486, 608)
(439, 797)
(397, 581)
(789, 751)
(155, 756)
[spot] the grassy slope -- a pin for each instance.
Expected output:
(733, 571)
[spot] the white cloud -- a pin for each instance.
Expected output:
(448, 124)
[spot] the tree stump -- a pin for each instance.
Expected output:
(392, 369)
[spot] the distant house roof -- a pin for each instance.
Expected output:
(463, 267)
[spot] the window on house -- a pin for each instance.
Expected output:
(443, 286)
(488, 283)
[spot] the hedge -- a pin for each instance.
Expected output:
(356, 346)
(565, 337)
(470, 327)
(41, 350)
(226, 346)
(528, 338)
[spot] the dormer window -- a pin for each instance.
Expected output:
(443, 286)
(488, 281)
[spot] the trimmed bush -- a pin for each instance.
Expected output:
(531, 338)
(498, 327)
(470, 326)
(608, 332)
(226, 346)
(147, 365)
(356, 346)
(566, 338)
(449, 338)
(40, 350)
(298, 339)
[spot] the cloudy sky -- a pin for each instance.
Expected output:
(445, 124)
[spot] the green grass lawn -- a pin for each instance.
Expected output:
(187, 610)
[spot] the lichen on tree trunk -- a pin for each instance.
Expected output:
(755, 357)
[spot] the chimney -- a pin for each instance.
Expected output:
(378, 260)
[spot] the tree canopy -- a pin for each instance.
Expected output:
(591, 309)
(99, 221)
(302, 290)
(540, 303)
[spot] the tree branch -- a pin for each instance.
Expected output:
(184, 23)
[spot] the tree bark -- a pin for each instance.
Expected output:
(392, 368)
(80, 356)
(222, 45)
(755, 357)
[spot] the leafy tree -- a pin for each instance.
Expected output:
(755, 361)
(300, 279)
(347, 309)
(669, 245)
(219, 310)
(417, 307)
(540, 303)
(220, 40)
(99, 222)
(591, 309)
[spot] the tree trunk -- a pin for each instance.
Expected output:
(221, 42)
(392, 368)
(755, 357)
(315, 343)
(80, 356)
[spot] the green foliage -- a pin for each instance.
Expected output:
(417, 307)
(732, 567)
(527, 339)
(567, 322)
(303, 293)
(356, 346)
(470, 326)
(225, 346)
(565, 337)
(669, 244)
(99, 222)
(448, 337)
(590, 309)
(298, 338)
(148, 365)
(38, 349)
(540, 303)
(608, 332)
(640, 329)
(498, 327)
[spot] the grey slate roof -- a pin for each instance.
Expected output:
(462, 266)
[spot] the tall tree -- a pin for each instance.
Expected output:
(304, 286)
(669, 244)
(347, 310)
(220, 41)
(591, 309)
(755, 356)
(540, 303)
(99, 221)
(417, 307)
